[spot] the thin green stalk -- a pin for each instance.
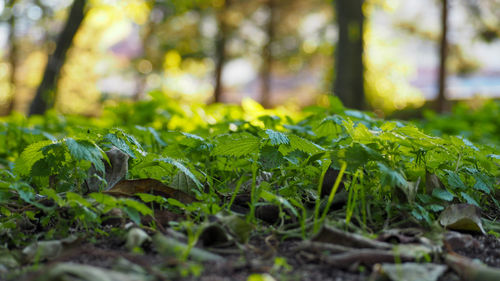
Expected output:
(253, 194)
(352, 198)
(363, 198)
(326, 164)
(331, 196)
(235, 192)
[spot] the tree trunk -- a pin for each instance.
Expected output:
(12, 61)
(46, 92)
(220, 50)
(441, 103)
(267, 56)
(349, 67)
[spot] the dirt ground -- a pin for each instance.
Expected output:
(258, 256)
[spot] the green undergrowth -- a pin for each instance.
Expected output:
(477, 120)
(215, 153)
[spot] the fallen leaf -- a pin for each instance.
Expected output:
(464, 217)
(151, 186)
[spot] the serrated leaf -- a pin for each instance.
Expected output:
(359, 154)
(154, 133)
(133, 214)
(391, 177)
(358, 131)
(120, 144)
(329, 126)
(469, 198)
(75, 197)
(482, 183)
(277, 138)
(435, 207)
(239, 144)
(138, 206)
(182, 168)
(86, 150)
(270, 158)
(454, 180)
(298, 143)
(442, 194)
(29, 157)
(295, 156)
(192, 136)
(416, 214)
(121, 140)
(271, 197)
(183, 182)
(358, 115)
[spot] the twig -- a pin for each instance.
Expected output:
(367, 257)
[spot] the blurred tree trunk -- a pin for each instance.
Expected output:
(220, 49)
(349, 67)
(46, 92)
(12, 58)
(267, 56)
(441, 102)
(150, 29)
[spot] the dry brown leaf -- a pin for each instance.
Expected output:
(462, 217)
(128, 188)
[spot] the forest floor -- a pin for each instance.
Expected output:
(258, 256)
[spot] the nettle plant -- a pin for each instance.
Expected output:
(385, 169)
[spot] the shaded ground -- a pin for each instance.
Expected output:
(258, 256)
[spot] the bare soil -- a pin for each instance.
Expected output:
(258, 256)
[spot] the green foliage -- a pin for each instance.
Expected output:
(277, 160)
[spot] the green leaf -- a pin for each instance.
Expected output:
(359, 154)
(239, 144)
(75, 197)
(277, 138)
(454, 180)
(104, 199)
(133, 214)
(273, 198)
(182, 168)
(483, 182)
(391, 177)
(52, 194)
(494, 156)
(120, 144)
(29, 156)
(138, 206)
(469, 199)
(86, 150)
(329, 126)
(147, 198)
(307, 146)
(270, 158)
(125, 142)
(435, 208)
(442, 194)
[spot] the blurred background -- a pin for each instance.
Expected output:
(383, 55)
